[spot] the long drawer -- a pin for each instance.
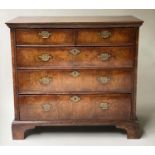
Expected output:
(61, 57)
(54, 81)
(63, 107)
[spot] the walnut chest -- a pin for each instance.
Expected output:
(75, 71)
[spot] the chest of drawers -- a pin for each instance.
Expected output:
(74, 71)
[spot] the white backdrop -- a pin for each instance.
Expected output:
(145, 92)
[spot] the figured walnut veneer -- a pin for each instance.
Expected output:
(75, 71)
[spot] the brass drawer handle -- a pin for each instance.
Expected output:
(103, 79)
(46, 107)
(104, 56)
(45, 80)
(104, 34)
(45, 34)
(74, 51)
(45, 57)
(75, 74)
(104, 106)
(75, 98)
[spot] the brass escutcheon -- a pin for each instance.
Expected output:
(46, 107)
(45, 57)
(103, 79)
(105, 34)
(75, 73)
(74, 51)
(104, 56)
(45, 34)
(45, 80)
(75, 98)
(104, 106)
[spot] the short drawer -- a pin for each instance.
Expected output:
(61, 57)
(44, 37)
(53, 81)
(107, 36)
(67, 107)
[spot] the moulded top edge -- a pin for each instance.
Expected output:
(74, 20)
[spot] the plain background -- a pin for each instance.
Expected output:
(145, 88)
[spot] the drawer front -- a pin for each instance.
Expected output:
(61, 107)
(107, 36)
(108, 57)
(52, 81)
(44, 36)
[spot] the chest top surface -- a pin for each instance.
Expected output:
(74, 21)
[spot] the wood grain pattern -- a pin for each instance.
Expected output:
(31, 36)
(118, 36)
(14, 73)
(75, 22)
(62, 107)
(63, 81)
(134, 99)
(132, 129)
(61, 57)
(75, 19)
(43, 89)
(19, 128)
